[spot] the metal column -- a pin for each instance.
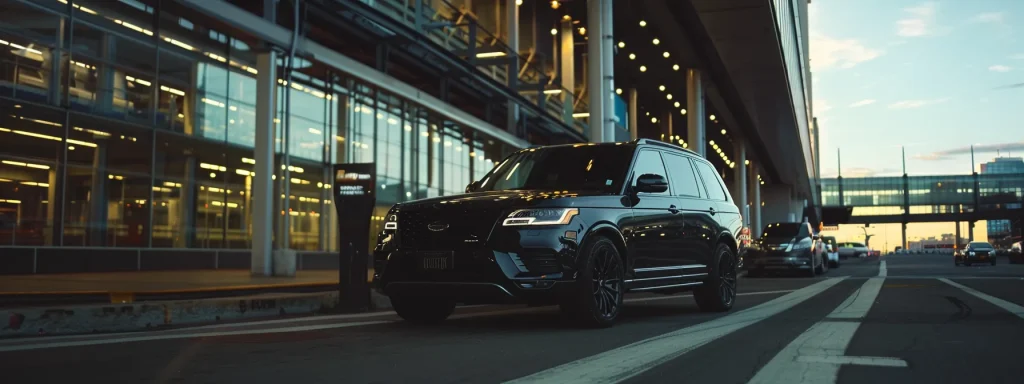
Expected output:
(608, 68)
(633, 128)
(567, 64)
(741, 181)
(755, 202)
(512, 39)
(595, 71)
(695, 117)
(262, 194)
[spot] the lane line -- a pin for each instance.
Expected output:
(855, 360)
(816, 355)
(180, 333)
(628, 361)
(882, 271)
(1008, 306)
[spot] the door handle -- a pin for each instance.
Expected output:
(712, 210)
(672, 208)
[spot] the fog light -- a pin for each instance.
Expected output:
(570, 235)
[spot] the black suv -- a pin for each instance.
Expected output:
(786, 247)
(575, 225)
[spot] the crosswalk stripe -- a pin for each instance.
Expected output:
(1008, 306)
(628, 361)
(816, 355)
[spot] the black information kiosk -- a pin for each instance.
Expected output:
(354, 198)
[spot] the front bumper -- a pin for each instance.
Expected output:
(977, 258)
(763, 260)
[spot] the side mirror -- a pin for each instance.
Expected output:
(472, 186)
(651, 183)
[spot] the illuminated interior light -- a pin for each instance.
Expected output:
(668, 96)
(643, 23)
(677, 104)
(178, 43)
(654, 119)
(675, 67)
(661, 88)
(643, 68)
(712, 117)
(665, 54)
(618, 91)
(632, 56)
(217, 57)
(490, 54)
(554, 31)
(723, 131)
(578, 116)
(172, 90)
(213, 102)
(622, 44)
(136, 28)
(656, 41)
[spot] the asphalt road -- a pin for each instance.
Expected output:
(894, 319)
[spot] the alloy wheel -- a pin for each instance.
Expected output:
(607, 282)
(727, 279)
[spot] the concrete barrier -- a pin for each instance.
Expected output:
(79, 319)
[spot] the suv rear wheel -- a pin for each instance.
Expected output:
(718, 293)
(423, 310)
(596, 299)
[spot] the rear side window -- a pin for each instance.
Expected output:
(649, 162)
(713, 183)
(684, 181)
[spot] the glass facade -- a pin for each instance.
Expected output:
(927, 194)
(131, 126)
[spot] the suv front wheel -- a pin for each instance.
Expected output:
(596, 298)
(718, 293)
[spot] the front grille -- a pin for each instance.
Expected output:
(467, 228)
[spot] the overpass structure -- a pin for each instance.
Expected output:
(919, 199)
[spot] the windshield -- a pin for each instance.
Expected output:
(585, 167)
(980, 245)
(782, 230)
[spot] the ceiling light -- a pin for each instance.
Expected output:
(519, 2)
(712, 143)
(675, 67)
(654, 119)
(618, 91)
(566, 18)
(747, 162)
(643, 23)
(677, 104)
(583, 30)
(668, 96)
(643, 68)
(712, 117)
(622, 44)
(555, 5)
(682, 111)
(723, 131)
(666, 54)
(656, 41)
(632, 56)
(661, 88)
(647, 113)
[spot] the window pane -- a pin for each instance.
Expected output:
(29, 147)
(716, 191)
(649, 162)
(684, 182)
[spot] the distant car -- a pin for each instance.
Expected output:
(976, 252)
(847, 250)
(1016, 253)
(832, 250)
(787, 247)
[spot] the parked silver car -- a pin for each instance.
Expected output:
(847, 250)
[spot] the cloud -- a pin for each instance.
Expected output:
(950, 153)
(820, 107)
(828, 52)
(988, 17)
(909, 104)
(862, 103)
(1011, 86)
(999, 68)
(919, 23)
(1019, 56)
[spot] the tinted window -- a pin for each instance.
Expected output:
(782, 230)
(711, 181)
(684, 182)
(980, 245)
(649, 162)
(589, 168)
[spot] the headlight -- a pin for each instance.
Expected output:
(541, 216)
(392, 222)
(972, 253)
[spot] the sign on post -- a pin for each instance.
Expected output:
(354, 199)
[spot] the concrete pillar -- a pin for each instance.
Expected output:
(54, 65)
(956, 237)
(186, 208)
(755, 202)
(263, 199)
(695, 117)
(778, 204)
(970, 231)
(567, 64)
(666, 120)
(51, 234)
(633, 128)
(608, 68)
(596, 71)
(904, 243)
(98, 196)
(740, 178)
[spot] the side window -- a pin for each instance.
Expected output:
(649, 162)
(805, 230)
(711, 181)
(684, 182)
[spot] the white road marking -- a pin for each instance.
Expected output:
(628, 361)
(882, 272)
(1008, 306)
(816, 355)
(855, 360)
(192, 332)
(186, 336)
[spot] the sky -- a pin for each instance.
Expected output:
(933, 76)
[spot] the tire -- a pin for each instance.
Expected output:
(423, 310)
(596, 299)
(718, 293)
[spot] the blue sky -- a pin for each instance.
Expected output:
(935, 76)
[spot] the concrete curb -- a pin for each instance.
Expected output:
(78, 319)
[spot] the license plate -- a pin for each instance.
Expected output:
(436, 261)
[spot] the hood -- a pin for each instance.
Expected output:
(508, 199)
